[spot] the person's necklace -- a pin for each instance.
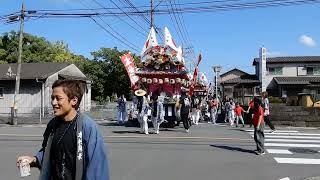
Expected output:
(65, 131)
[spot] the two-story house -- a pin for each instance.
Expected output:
(239, 85)
(288, 76)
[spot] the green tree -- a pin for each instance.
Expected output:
(116, 78)
(105, 69)
(35, 49)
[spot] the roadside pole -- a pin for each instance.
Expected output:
(14, 108)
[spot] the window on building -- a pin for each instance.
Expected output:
(257, 90)
(275, 70)
(313, 70)
(1, 92)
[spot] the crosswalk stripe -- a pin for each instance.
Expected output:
(297, 160)
(290, 134)
(292, 137)
(293, 140)
(279, 151)
(292, 145)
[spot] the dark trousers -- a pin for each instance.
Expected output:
(259, 137)
(267, 120)
(185, 120)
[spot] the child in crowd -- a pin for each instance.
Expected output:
(238, 112)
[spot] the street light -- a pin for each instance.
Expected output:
(217, 70)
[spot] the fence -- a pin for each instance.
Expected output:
(36, 115)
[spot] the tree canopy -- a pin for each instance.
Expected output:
(105, 69)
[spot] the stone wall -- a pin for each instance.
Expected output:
(299, 116)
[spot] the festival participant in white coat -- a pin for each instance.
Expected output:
(195, 112)
(143, 108)
(157, 112)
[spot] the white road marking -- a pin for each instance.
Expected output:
(297, 160)
(286, 178)
(292, 137)
(293, 140)
(280, 131)
(290, 134)
(292, 145)
(279, 151)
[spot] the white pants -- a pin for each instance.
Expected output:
(144, 124)
(195, 115)
(156, 124)
(231, 117)
(214, 115)
(241, 119)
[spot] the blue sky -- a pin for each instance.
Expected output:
(230, 39)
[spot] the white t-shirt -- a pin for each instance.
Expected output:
(266, 106)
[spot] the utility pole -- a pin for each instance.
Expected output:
(217, 70)
(14, 108)
(151, 14)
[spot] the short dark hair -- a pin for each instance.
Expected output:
(72, 88)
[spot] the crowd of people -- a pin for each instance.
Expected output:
(191, 110)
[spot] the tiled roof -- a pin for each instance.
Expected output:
(244, 79)
(290, 59)
(235, 69)
(32, 70)
(296, 80)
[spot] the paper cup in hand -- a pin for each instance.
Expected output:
(24, 168)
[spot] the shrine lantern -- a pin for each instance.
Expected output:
(155, 80)
(160, 81)
(172, 81)
(149, 81)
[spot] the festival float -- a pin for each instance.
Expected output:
(201, 86)
(201, 90)
(163, 72)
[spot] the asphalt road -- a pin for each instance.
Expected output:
(208, 152)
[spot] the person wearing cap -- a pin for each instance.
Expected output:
(143, 108)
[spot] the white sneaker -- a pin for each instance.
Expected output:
(157, 132)
(187, 130)
(147, 133)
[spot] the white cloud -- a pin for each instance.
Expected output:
(307, 40)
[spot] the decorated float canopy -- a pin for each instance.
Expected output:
(201, 87)
(163, 66)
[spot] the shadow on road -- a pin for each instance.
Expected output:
(233, 148)
(138, 132)
(127, 132)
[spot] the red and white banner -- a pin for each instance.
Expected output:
(128, 62)
(195, 74)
